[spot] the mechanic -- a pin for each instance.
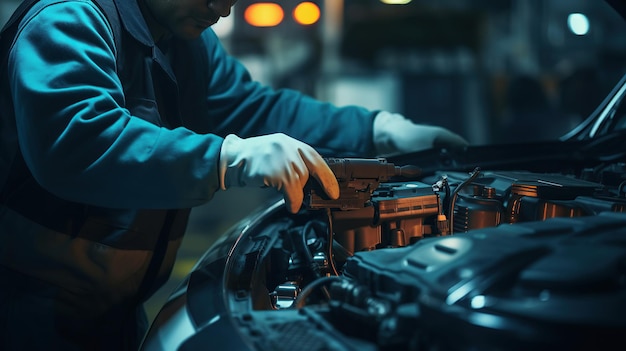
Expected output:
(116, 118)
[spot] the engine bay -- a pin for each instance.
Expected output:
(484, 260)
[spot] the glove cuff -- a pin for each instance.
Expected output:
(227, 154)
(385, 130)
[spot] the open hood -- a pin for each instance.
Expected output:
(619, 6)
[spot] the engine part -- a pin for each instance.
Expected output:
(541, 285)
(473, 212)
(508, 197)
(357, 178)
(394, 217)
(285, 294)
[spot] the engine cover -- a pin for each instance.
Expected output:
(559, 283)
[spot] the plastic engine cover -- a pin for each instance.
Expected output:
(559, 283)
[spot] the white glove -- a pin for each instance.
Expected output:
(274, 160)
(394, 134)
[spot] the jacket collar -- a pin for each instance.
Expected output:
(132, 19)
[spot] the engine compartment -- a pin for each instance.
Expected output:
(485, 260)
(404, 212)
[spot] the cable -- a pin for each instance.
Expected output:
(331, 259)
(621, 189)
(473, 176)
(305, 254)
(319, 283)
(303, 250)
(442, 221)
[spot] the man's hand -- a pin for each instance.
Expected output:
(274, 160)
(394, 134)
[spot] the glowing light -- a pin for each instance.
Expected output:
(264, 14)
(306, 13)
(578, 23)
(395, 2)
(478, 302)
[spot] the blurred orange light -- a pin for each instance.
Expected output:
(264, 14)
(306, 13)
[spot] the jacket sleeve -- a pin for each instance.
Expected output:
(77, 138)
(242, 106)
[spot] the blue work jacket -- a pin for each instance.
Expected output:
(102, 137)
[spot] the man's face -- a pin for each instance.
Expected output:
(188, 18)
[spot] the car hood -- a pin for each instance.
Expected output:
(619, 6)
